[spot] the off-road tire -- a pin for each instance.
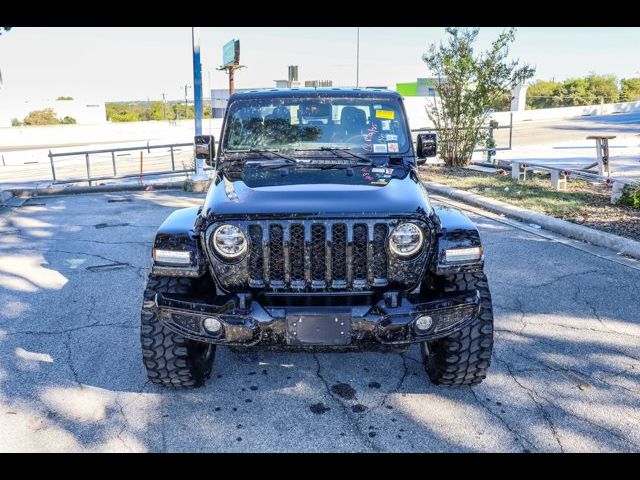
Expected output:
(463, 357)
(171, 359)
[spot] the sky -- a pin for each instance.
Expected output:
(136, 63)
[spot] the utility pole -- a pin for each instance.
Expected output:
(164, 106)
(186, 104)
(231, 65)
(197, 98)
(358, 60)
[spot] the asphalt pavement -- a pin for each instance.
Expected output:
(564, 375)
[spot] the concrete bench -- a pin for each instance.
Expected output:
(558, 175)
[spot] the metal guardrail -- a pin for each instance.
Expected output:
(87, 154)
(490, 151)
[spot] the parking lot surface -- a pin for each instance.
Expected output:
(564, 376)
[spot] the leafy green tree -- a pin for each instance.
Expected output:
(15, 122)
(468, 84)
(629, 89)
(121, 112)
(68, 120)
(155, 110)
(543, 94)
(603, 87)
(41, 117)
(64, 97)
(573, 92)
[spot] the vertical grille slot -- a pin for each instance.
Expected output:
(276, 256)
(339, 255)
(326, 254)
(318, 255)
(379, 260)
(359, 259)
(296, 255)
(256, 278)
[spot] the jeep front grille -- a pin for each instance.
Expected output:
(314, 255)
(317, 255)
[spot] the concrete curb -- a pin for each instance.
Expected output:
(74, 190)
(621, 245)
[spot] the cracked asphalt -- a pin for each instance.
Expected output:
(564, 376)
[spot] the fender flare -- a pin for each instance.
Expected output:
(455, 230)
(179, 232)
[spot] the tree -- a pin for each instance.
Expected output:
(41, 117)
(64, 97)
(543, 94)
(629, 89)
(468, 85)
(603, 88)
(573, 92)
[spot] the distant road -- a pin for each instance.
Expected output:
(35, 164)
(557, 131)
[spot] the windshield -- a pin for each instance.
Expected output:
(363, 125)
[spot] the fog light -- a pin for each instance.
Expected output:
(462, 255)
(424, 323)
(212, 325)
(172, 257)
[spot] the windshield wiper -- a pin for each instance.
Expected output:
(336, 150)
(276, 153)
(267, 161)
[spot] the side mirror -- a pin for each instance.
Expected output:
(205, 146)
(427, 145)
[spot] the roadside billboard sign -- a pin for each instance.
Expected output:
(231, 53)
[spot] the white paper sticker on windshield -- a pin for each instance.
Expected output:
(393, 147)
(379, 148)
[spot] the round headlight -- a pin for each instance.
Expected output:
(229, 241)
(406, 239)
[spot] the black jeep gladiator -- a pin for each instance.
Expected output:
(317, 233)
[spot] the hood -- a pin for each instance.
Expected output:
(400, 196)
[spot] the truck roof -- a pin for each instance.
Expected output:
(315, 92)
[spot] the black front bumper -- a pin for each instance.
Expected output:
(249, 323)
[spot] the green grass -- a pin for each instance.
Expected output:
(535, 194)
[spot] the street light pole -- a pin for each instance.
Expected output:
(197, 98)
(358, 60)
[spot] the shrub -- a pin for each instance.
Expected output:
(15, 122)
(68, 120)
(63, 97)
(630, 196)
